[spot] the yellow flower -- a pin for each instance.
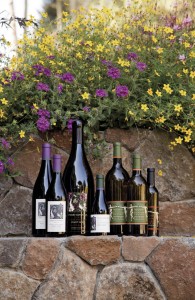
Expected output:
(178, 108)
(187, 45)
(159, 94)
(35, 106)
(22, 134)
(144, 107)
(154, 39)
(187, 138)
(178, 140)
(192, 74)
(160, 119)
(100, 48)
(4, 101)
(159, 161)
(85, 95)
(150, 92)
(89, 43)
(193, 96)
(167, 88)
(173, 143)
(1, 89)
(31, 139)
(182, 93)
(156, 73)
(159, 50)
(168, 30)
(185, 71)
(177, 127)
(189, 131)
(1, 113)
(78, 55)
(44, 15)
(193, 149)
(130, 113)
(171, 37)
(160, 173)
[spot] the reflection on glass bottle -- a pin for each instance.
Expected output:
(153, 204)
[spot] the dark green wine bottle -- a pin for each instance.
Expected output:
(137, 204)
(153, 204)
(100, 218)
(116, 194)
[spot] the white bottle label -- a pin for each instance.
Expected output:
(56, 216)
(40, 214)
(100, 223)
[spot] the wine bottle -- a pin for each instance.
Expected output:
(137, 205)
(39, 192)
(56, 202)
(79, 184)
(153, 204)
(100, 219)
(116, 192)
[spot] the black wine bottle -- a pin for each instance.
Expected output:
(116, 194)
(39, 192)
(100, 218)
(153, 204)
(79, 184)
(56, 202)
(137, 204)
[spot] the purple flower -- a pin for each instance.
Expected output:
(114, 73)
(1, 167)
(43, 113)
(182, 57)
(86, 108)
(69, 124)
(43, 124)
(187, 21)
(42, 70)
(42, 86)
(122, 91)
(101, 93)
(10, 161)
(107, 63)
(5, 144)
(47, 72)
(141, 66)
(68, 77)
(60, 88)
(17, 76)
(51, 56)
(132, 56)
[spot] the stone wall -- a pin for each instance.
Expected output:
(97, 268)
(102, 268)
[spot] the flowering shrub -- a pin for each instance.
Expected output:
(114, 69)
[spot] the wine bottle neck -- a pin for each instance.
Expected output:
(151, 178)
(77, 135)
(117, 161)
(136, 172)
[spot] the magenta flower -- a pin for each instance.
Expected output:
(106, 63)
(114, 73)
(68, 77)
(69, 124)
(141, 66)
(43, 113)
(42, 86)
(17, 76)
(132, 56)
(86, 108)
(187, 21)
(1, 167)
(122, 91)
(101, 93)
(10, 161)
(43, 124)
(60, 88)
(5, 144)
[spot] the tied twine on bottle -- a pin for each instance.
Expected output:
(132, 207)
(83, 218)
(156, 216)
(113, 207)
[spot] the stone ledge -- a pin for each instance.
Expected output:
(95, 267)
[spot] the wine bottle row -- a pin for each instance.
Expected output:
(68, 203)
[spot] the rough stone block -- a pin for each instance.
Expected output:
(11, 251)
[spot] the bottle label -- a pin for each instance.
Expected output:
(153, 220)
(117, 211)
(137, 212)
(77, 212)
(100, 223)
(40, 214)
(56, 216)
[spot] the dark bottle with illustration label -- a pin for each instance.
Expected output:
(79, 184)
(153, 204)
(100, 218)
(56, 202)
(39, 192)
(137, 204)
(116, 194)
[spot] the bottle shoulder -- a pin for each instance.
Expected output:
(137, 180)
(117, 173)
